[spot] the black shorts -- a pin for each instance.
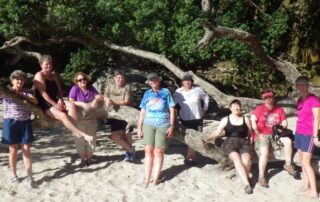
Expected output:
(196, 124)
(117, 124)
(237, 144)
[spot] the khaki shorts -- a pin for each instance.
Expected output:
(236, 144)
(89, 127)
(153, 136)
(267, 139)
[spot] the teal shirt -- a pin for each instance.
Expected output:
(157, 106)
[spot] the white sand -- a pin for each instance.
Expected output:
(110, 179)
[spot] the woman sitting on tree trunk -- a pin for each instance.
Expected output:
(238, 144)
(49, 94)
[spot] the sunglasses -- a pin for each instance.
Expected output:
(83, 79)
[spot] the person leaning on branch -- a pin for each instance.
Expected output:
(238, 143)
(85, 97)
(155, 125)
(263, 118)
(49, 95)
(306, 134)
(119, 94)
(189, 99)
(16, 127)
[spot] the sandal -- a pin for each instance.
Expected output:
(248, 189)
(263, 182)
(290, 169)
(14, 179)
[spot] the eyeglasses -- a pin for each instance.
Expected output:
(83, 79)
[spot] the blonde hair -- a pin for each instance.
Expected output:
(86, 76)
(45, 58)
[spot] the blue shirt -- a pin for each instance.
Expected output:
(157, 106)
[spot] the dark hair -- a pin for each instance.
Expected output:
(235, 101)
(118, 72)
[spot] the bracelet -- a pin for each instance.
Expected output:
(171, 125)
(315, 137)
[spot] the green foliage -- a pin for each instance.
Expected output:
(88, 60)
(168, 27)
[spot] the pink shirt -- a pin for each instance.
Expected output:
(267, 118)
(305, 116)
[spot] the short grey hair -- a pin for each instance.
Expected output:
(18, 74)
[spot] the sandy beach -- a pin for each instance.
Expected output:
(109, 178)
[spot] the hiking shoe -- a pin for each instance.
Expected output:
(263, 182)
(290, 169)
(127, 156)
(248, 189)
(82, 164)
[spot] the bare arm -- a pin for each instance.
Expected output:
(140, 122)
(39, 83)
(248, 122)
(172, 119)
(219, 130)
(316, 124)
(254, 124)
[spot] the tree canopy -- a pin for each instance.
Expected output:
(171, 28)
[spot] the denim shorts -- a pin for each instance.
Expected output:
(16, 132)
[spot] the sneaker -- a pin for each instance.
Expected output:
(133, 155)
(189, 162)
(248, 189)
(88, 162)
(29, 181)
(127, 156)
(82, 164)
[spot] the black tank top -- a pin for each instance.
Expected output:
(52, 90)
(236, 131)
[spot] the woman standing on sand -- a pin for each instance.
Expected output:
(155, 124)
(86, 97)
(306, 136)
(49, 94)
(17, 126)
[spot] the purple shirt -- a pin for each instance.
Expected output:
(14, 111)
(305, 115)
(78, 95)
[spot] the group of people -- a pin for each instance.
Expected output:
(157, 121)
(242, 133)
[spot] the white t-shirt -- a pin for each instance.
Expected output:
(190, 103)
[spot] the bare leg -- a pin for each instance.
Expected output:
(128, 139)
(72, 111)
(287, 149)
(149, 155)
(67, 122)
(13, 150)
(157, 164)
(263, 160)
(235, 157)
(27, 158)
(191, 154)
(306, 163)
(306, 185)
(246, 161)
(117, 137)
